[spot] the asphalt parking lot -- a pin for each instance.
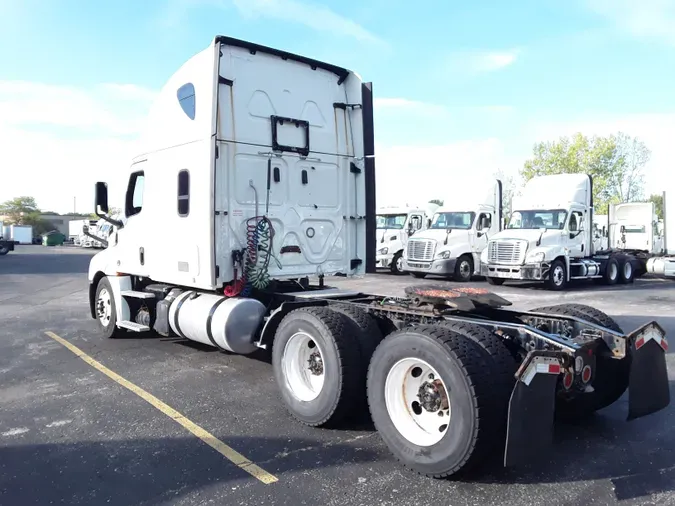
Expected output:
(71, 435)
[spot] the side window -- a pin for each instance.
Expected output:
(484, 221)
(575, 221)
(183, 193)
(186, 99)
(134, 199)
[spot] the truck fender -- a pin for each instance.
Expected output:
(117, 283)
(275, 317)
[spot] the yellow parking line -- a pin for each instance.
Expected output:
(215, 443)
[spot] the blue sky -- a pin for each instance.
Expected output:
(463, 88)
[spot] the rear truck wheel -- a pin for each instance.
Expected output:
(317, 364)
(371, 335)
(611, 275)
(106, 310)
(495, 281)
(432, 399)
(611, 376)
(418, 275)
(396, 266)
(464, 269)
(3, 250)
(626, 271)
(557, 276)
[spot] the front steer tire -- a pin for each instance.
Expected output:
(611, 375)
(109, 329)
(336, 336)
(473, 427)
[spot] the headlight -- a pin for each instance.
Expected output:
(444, 254)
(383, 251)
(535, 257)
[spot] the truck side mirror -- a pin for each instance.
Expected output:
(623, 229)
(101, 201)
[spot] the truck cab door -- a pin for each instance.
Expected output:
(576, 236)
(479, 238)
(132, 238)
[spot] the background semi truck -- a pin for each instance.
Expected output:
(288, 198)
(395, 225)
(551, 238)
(457, 235)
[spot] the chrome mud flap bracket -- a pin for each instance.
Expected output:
(532, 407)
(648, 387)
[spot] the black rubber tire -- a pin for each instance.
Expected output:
(458, 275)
(625, 264)
(611, 375)
(337, 337)
(606, 276)
(109, 331)
(371, 335)
(550, 280)
(3, 250)
(504, 365)
(495, 281)
(418, 275)
(393, 268)
(474, 427)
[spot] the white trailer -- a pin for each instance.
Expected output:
(395, 225)
(458, 234)
(289, 195)
(21, 234)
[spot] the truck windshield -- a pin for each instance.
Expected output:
(548, 218)
(459, 220)
(391, 220)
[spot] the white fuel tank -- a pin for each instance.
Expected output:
(661, 266)
(228, 323)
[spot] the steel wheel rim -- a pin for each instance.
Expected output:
(613, 271)
(465, 269)
(301, 360)
(627, 270)
(558, 275)
(104, 307)
(417, 424)
(399, 263)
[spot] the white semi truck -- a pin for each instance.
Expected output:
(457, 235)
(634, 226)
(395, 225)
(265, 159)
(551, 238)
(664, 264)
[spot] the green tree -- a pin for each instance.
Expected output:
(615, 163)
(19, 209)
(658, 204)
(436, 201)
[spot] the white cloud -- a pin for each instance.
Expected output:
(404, 105)
(483, 61)
(415, 174)
(649, 19)
(58, 140)
(316, 17)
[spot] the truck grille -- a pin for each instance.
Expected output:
(506, 252)
(421, 250)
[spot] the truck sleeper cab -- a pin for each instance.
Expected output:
(289, 195)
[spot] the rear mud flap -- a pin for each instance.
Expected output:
(531, 411)
(648, 387)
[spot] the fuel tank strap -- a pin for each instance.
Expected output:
(175, 316)
(208, 322)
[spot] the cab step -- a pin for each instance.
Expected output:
(137, 295)
(133, 326)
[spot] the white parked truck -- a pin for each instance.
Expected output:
(550, 238)
(664, 264)
(265, 160)
(395, 225)
(458, 233)
(634, 226)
